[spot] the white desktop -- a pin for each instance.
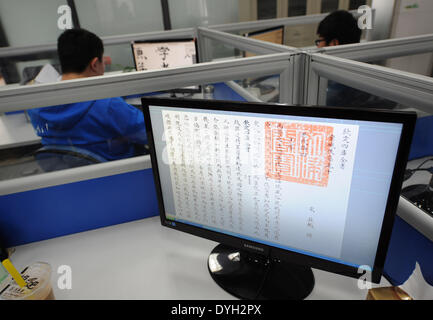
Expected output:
(143, 260)
(16, 130)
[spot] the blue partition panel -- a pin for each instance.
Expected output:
(75, 207)
(224, 92)
(407, 247)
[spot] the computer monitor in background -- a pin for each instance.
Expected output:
(283, 189)
(167, 53)
(274, 35)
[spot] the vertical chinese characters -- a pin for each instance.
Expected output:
(163, 52)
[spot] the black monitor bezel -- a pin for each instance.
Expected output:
(407, 119)
(162, 40)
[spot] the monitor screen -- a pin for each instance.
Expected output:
(315, 186)
(164, 54)
(151, 55)
(274, 35)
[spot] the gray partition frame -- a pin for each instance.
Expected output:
(288, 92)
(399, 86)
(368, 52)
(43, 95)
(382, 49)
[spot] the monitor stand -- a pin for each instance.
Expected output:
(251, 276)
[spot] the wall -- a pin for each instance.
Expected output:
(383, 19)
(193, 13)
(114, 17)
(29, 23)
(413, 17)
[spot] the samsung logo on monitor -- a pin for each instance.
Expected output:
(246, 245)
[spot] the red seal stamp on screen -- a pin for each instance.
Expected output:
(298, 152)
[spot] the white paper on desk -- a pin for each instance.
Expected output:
(47, 74)
(417, 287)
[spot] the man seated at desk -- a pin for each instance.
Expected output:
(110, 127)
(339, 28)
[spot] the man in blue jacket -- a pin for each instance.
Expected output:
(109, 127)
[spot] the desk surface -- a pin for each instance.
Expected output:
(143, 260)
(16, 131)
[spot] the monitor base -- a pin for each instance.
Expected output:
(250, 276)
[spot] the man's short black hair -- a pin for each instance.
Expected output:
(76, 48)
(340, 25)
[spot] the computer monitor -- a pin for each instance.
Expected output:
(164, 54)
(274, 35)
(283, 189)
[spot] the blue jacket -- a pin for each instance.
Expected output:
(108, 127)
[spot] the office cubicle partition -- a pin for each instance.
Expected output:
(402, 87)
(73, 200)
(287, 75)
(303, 77)
(131, 83)
(69, 201)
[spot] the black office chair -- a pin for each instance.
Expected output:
(58, 157)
